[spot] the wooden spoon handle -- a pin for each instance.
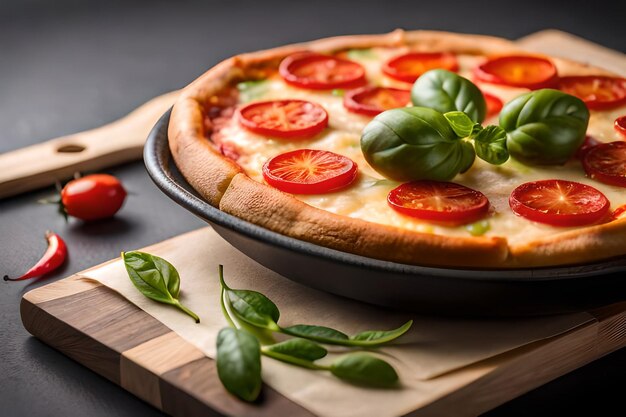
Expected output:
(58, 159)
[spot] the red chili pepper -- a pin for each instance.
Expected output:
(51, 259)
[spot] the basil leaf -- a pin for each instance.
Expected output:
(460, 122)
(414, 143)
(318, 333)
(239, 363)
(544, 126)
(361, 368)
(298, 348)
(446, 91)
(155, 278)
(250, 306)
(490, 145)
(252, 90)
(376, 337)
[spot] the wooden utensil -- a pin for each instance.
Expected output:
(58, 159)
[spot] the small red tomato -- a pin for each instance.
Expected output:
(93, 197)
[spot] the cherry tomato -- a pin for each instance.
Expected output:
(597, 91)
(589, 143)
(93, 197)
(284, 118)
(559, 203)
(371, 101)
(321, 72)
(494, 104)
(606, 163)
(409, 67)
(439, 201)
(522, 71)
(620, 125)
(309, 171)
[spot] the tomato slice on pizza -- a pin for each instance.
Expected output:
(409, 67)
(606, 163)
(309, 171)
(284, 118)
(559, 203)
(439, 201)
(523, 71)
(371, 101)
(494, 104)
(597, 91)
(321, 72)
(620, 125)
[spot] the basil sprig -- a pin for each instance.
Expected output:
(253, 309)
(544, 126)
(155, 278)
(257, 310)
(418, 143)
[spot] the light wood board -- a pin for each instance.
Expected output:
(102, 330)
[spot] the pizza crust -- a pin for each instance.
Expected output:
(223, 184)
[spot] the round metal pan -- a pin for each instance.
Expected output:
(399, 286)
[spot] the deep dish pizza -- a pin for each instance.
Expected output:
(424, 148)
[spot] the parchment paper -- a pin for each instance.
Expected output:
(433, 347)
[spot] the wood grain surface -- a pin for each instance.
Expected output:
(58, 159)
(97, 327)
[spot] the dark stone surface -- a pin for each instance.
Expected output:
(70, 65)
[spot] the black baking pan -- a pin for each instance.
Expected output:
(406, 287)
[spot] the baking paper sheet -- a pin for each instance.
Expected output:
(424, 358)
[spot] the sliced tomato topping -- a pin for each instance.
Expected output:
(283, 118)
(409, 67)
(439, 201)
(597, 91)
(522, 71)
(620, 125)
(559, 203)
(309, 171)
(371, 101)
(607, 163)
(619, 212)
(494, 104)
(321, 72)
(589, 143)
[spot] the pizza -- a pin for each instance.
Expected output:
(423, 148)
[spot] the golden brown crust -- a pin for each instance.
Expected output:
(223, 184)
(245, 199)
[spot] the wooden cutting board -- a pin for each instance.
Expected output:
(122, 141)
(102, 330)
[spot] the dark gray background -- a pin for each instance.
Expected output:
(67, 66)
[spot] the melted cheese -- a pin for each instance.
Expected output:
(367, 198)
